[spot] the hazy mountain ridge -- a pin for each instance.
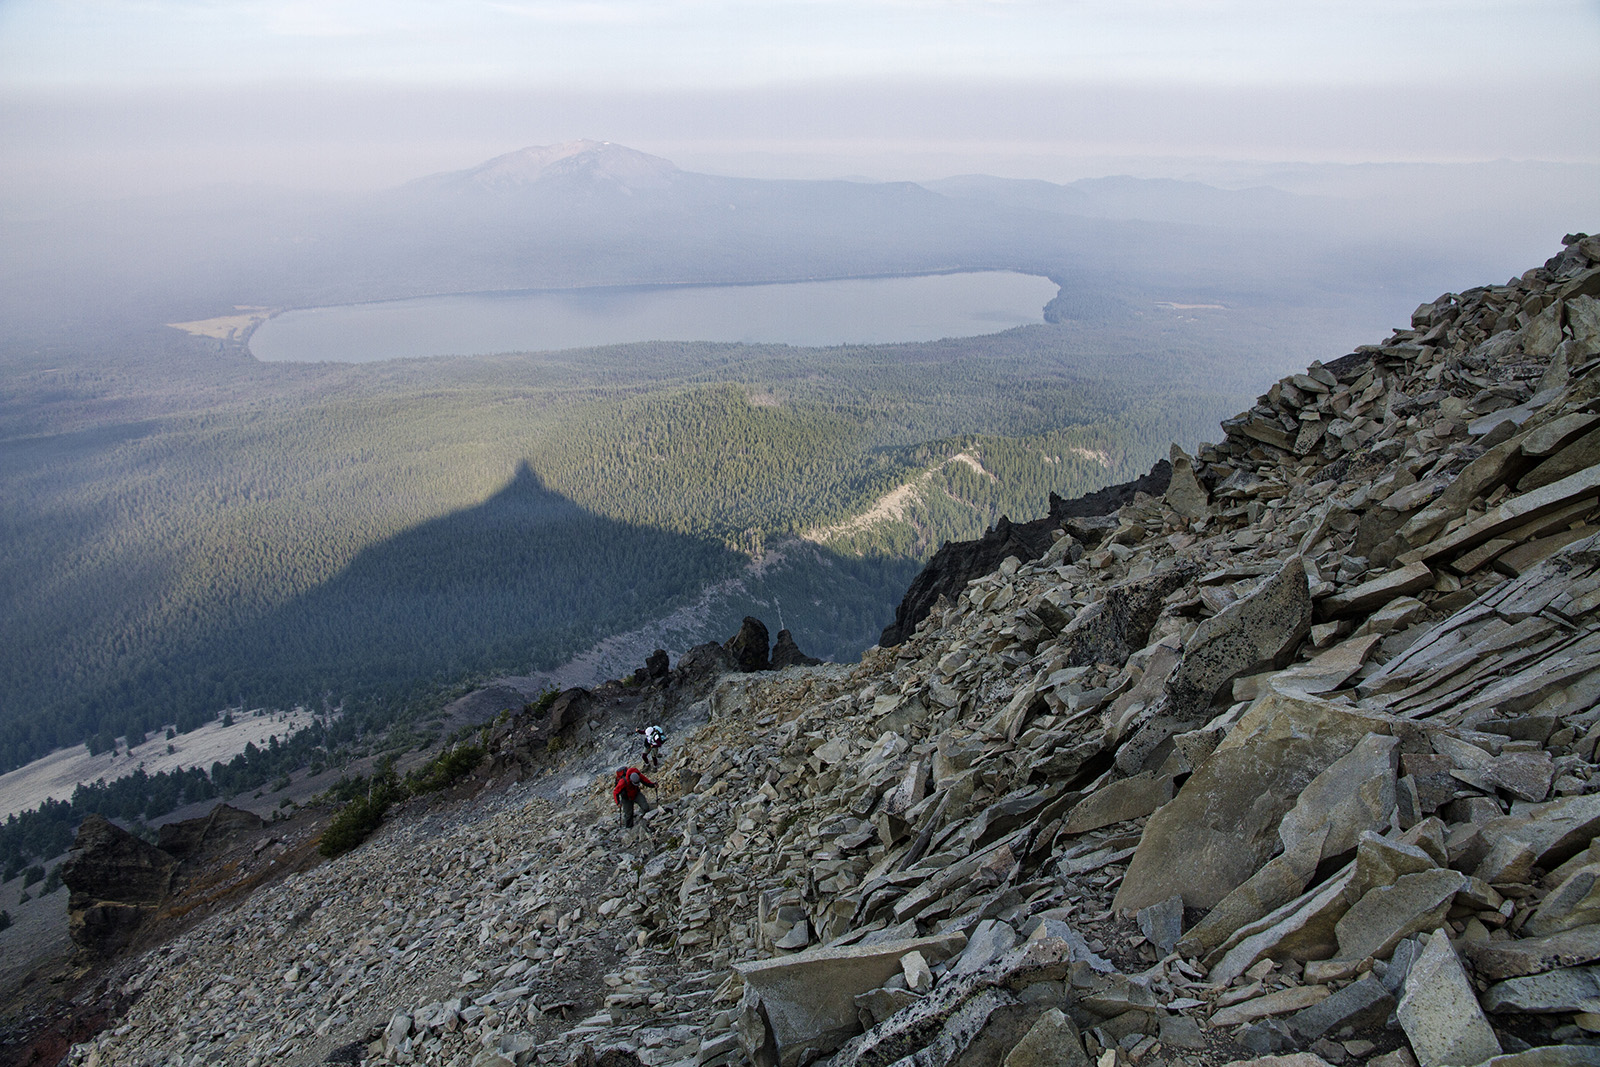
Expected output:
(592, 213)
(1150, 199)
(576, 165)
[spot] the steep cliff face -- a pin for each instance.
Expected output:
(1303, 742)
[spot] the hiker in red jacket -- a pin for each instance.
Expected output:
(627, 792)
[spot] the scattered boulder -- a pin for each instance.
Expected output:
(1222, 826)
(1387, 914)
(795, 1005)
(657, 668)
(701, 668)
(1534, 955)
(1053, 1041)
(1564, 989)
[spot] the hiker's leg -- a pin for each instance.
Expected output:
(627, 810)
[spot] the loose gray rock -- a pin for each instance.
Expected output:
(1439, 1011)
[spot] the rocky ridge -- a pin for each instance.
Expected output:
(1296, 758)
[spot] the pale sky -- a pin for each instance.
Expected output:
(720, 43)
(356, 93)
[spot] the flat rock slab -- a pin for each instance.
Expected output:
(1572, 904)
(991, 940)
(1439, 1011)
(1553, 436)
(1304, 929)
(1386, 915)
(1525, 775)
(1412, 578)
(1563, 990)
(1493, 960)
(1354, 795)
(1549, 1056)
(1119, 801)
(1053, 1042)
(962, 1016)
(1329, 670)
(1223, 824)
(809, 998)
(1162, 924)
(1579, 455)
(1526, 556)
(1362, 1003)
(1553, 832)
(1283, 1002)
(1259, 629)
(1510, 515)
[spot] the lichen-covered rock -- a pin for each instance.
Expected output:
(1439, 1011)
(1260, 630)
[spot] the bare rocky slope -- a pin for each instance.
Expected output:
(1294, 759)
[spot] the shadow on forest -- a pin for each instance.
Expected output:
(518, 580)
(522, 581)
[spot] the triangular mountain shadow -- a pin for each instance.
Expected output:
(524, 579)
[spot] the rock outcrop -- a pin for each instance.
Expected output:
(750, 647)
(1302, 743)
(223, 824)
(116, 881)
(125, 892)
(786, 653)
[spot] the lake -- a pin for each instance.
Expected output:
(845, 311)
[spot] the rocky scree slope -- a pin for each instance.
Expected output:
(1295, 758)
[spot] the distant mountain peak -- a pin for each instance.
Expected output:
(584, 163)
